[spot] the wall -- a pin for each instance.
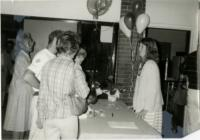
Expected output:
(40, 30)
(175, 14)
(175, 37)
(65, 9)
(125, 73)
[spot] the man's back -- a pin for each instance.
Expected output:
(39, 60)
(56, 85)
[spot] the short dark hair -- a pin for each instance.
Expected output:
(69, 41)
(53, 34)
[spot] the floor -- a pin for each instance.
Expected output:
(6, 135)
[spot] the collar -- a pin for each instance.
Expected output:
(65, 57)
(49, 52)
(26, 55)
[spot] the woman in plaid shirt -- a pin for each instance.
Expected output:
(58, 77)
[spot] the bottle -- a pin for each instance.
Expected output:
(92, 97)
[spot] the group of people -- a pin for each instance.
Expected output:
(40, 88)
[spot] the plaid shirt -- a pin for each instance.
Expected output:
(59, 77)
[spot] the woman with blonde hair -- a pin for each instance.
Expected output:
(147, 99)
(20, 93)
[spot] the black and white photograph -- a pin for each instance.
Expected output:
(100, 69)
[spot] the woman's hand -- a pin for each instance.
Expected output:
(141, 114)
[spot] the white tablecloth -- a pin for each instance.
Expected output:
(113, 120)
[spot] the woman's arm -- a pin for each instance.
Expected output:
(31, 79)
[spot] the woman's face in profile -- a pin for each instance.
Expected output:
(28, 45)
(79, 59)
(142, 51)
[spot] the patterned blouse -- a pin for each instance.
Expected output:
(57, 82)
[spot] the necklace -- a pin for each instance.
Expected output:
(140, 67)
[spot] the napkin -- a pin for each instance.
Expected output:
(122, 125)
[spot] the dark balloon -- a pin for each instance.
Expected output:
(124, 28)
(129, 20)
(137, 7)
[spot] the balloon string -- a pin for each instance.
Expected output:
(130, 43)
(132, 60)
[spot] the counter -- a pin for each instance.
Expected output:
(113, 120)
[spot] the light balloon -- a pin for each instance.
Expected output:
(124, 28)
(142, 22)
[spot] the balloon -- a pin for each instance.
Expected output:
(129, 20)
(124, 28)
(137, 7)
(142, 22)
(98, 7)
